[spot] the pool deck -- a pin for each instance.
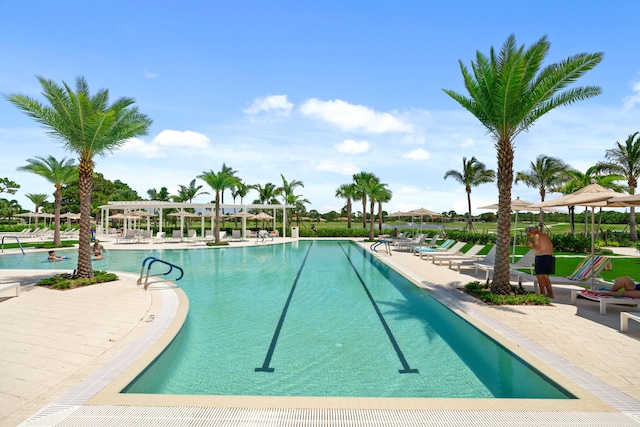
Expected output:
(58, 350)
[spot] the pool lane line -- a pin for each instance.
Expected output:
(276, 334)
(406, 369)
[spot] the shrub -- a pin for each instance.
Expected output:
(518, 295)
(69, 281)
(218, 244)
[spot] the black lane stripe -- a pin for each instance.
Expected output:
(406, 369)
(276, 334)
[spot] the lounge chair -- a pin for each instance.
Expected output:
(176, 237)
(236, 236)
(274, 233)
(581, 276)
(442, 248)
(417, 242)
(454, 249)
(191, 236)
(471, 254)
(129, 236)
(160, 237)
(603, 299)
(489, 259)
(525, 262)
(147, 236)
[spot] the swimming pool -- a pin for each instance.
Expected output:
(317, 318)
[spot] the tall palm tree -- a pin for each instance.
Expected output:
(38, 200)
(218, 182)
(545, 174)
(267, 194)
(349, 192)
(8, 208)
(363, 180)
(507, 92)
(382, 196)
(286, 190)
(473, 174)
(59, 173)
(229, 171)
(624, 160)
(89, 126)
(162, 195)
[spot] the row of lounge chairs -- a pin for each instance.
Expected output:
(450, 252)
(177, 236)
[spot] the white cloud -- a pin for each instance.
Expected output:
(352, 117)
(150, 75)
(160, 145)
(347, 168)
(634, 99)
(353, 147)
(417, 154)
(176, 138)
(468, 142)
(276, 104)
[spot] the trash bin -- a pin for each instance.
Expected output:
(294, 232)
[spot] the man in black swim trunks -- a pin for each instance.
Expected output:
(544, 258)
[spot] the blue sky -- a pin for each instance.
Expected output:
(313, 90)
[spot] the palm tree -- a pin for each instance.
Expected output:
(349, 192)
(229, 171)
(286, 191)
(89, 126)
(473, 174)
(38, 200)
(545, 174)
(267, 194)
(383, 196)
(189, 193)
(362, 181)
(162, 195)
(624, 160)
(508, 92)
(8, 186)
(218, 182)
(8, 208)
(59, 173)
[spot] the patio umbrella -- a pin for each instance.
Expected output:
(262, 215)
(624, 201)
(517, 205)
(593, 195)
(29, 215)
(183, 215)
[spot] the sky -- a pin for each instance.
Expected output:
(314, 90)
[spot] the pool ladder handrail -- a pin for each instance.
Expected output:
(17, 240)
(152, 261)
(386, 243)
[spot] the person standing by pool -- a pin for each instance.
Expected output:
(543, 247)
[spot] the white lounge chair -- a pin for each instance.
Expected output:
(129, 236)
(471, 254)
(523, 263)
(488, 259)
(236, 236)
(160, 237)
(452, 250)
(176, 237)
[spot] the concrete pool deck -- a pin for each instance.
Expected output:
(53, 343)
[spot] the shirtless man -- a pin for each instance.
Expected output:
(544, 258)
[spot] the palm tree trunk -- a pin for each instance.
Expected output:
(364, 211)
(217, 219)
(371, 220)
(470, 223)
(56, 211)
(85, 185)
(501, 278)
(348, 213)
(632, 224)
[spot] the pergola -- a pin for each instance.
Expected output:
(155, 206)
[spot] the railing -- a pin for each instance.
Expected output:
(386, 243)
(17, 240)
(152, 260)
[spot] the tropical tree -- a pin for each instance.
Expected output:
(162, 195)
(349, 192)
(38, 200)
(374, 190)
(286, 190)
(8, 186)
(89, 126)
(8, 208)
(59, 173)
(267, 193)
(473, 174)
(507, 92)
(229, 171)
(382, 196)
(545, 174)
(188, 193)
(218, 182)
(624, 160)
(363, 180)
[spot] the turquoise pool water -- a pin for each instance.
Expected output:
(316, 318)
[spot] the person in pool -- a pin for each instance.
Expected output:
(98, 249)
(623, 287)
(54, 257)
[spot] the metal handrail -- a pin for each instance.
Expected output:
(17, 240)
(153, 260)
